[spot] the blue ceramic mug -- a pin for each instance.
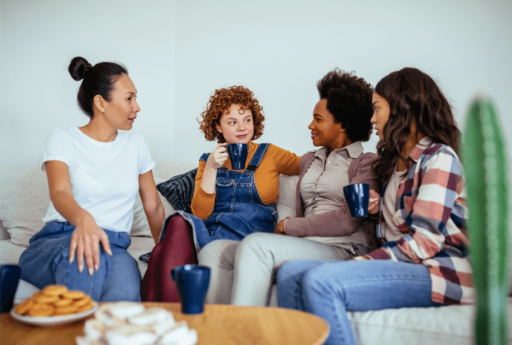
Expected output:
(357, 197)
(8, 285)
(238, 155)
(192, 282)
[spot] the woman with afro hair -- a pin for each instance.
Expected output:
(242, 272)
(423, 261)
(227, 204)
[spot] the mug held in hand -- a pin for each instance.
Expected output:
(238, 155)
(357, 197)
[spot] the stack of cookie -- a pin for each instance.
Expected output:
(54, 300)
(126, 323)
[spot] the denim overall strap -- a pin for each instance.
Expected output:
(204, 157)
(258, 156)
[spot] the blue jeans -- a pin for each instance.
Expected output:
(331, 288)
(46, 262)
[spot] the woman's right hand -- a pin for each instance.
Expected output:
(218, 156)
(85, 241)
(373, 203)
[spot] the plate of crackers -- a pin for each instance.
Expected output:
(55, 305)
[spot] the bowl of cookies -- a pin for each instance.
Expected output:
(53, 306)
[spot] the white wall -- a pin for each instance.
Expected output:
(179, 52)
(280, 49)
(38, 39)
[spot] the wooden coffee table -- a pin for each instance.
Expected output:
(219, 324)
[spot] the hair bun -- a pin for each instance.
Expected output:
(78, 67)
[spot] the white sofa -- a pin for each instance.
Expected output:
(24, 200)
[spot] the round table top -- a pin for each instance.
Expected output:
(219, 324)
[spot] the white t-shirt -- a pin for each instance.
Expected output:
(104, 176)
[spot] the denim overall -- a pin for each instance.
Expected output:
(238, 209)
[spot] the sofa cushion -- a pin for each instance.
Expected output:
(10, 253)
(179, 190)
(450, 325)
(24, 200)
(140, 227)
(286, 197)
(24, 291)
(139, 246)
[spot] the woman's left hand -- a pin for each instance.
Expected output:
(280, 227)
(373, 204)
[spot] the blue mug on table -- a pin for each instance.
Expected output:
(192, 282)
(357, 197)
(238, 155)
(10, 276)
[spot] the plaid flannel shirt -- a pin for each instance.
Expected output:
(433, 209)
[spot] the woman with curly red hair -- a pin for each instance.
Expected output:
(242, 271)
(227, 204)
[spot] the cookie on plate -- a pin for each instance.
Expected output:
(24, 307)
(74, 295)
(41, 310)
(62, 302)
(86, 307)
(45, 299)
(37, 294)
(54, 290)
(83, 301)
(69, 309)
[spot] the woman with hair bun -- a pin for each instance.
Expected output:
(227, 204)
(421, 216)
(243, 272)
(94, 174)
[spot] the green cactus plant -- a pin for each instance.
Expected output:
(485, 160)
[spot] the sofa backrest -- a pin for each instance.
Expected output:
(24, 200)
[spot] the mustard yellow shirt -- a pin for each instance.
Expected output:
(276, 161)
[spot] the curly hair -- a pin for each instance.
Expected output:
(220, 101)
(412, 96)
(349, 100)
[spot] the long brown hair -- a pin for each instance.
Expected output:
(412, 96)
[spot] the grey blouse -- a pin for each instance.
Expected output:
(321, 188)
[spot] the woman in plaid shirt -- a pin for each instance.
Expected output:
(421, 215)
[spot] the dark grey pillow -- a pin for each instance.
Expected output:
(179, 190)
